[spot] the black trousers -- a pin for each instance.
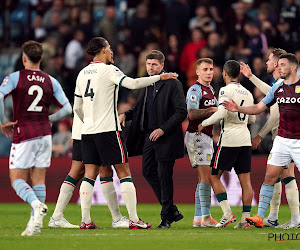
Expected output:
(160, 177)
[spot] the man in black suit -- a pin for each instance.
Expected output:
(156, 133)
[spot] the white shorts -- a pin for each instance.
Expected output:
(284, 150)
(200, 148)
(32, 153)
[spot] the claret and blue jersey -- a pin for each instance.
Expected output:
(200, 96)
(32, 92)
(288, 98)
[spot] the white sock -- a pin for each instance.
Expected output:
(110, 194)
(275, 202)
(86, 196)
(129, 197)
(197, 218)
(65, 194)
(292, 196)
(244, 215)
(226, 208)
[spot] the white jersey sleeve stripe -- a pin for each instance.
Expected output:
(120, 84)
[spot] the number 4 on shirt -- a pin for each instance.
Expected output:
(87, 93)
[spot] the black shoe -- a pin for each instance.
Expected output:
(164, 224)
(176, 216)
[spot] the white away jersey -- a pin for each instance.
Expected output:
(98, 86)
(234, 130)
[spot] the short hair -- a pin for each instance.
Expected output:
(96, 45)
(291, 58)
(33, 50)
(232, 68)
(156, 54)
(204, 60)
(278, 52)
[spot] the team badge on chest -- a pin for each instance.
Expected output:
(297, 89)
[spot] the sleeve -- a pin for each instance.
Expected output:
(77, 92)
(221, 112)
(2, 115)
(61, 113)
(272, 122)
(139, 83)
(9, 83)
(269, 98)
(78, 108)
(116, 75)
(224, 95)
(262, 86)
(193, 98)
(216, 117)
(251, 119)
(129, 114)
(58, 92)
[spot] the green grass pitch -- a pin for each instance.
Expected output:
(182, 235)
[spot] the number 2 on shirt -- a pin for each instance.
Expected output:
(87, 93)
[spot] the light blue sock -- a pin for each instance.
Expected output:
(24, 191)
(205, 198)
(265, 196)
(40, 192)
(197, 201)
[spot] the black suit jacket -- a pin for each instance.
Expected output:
(169, 111)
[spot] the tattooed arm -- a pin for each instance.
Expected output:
(196, 114)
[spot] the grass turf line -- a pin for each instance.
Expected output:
(182, 235)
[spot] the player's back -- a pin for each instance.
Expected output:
(234, 130)
(98, 84)
(31, 100)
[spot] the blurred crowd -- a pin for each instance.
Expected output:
(184, 30)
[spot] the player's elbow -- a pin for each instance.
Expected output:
(68, 108)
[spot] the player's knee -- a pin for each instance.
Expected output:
(106, 171)
(77, 175)
(270, 179)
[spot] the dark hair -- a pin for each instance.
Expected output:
(156, 54)
(291, 58)
(33, 50)
(95, 45)
(278, 52)
(204, 60)
(232, 68)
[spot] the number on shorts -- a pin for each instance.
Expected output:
(241, 116)
(34, 105)
(87, 93)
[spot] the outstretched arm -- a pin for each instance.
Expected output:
(250, 110)
(143, 82)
